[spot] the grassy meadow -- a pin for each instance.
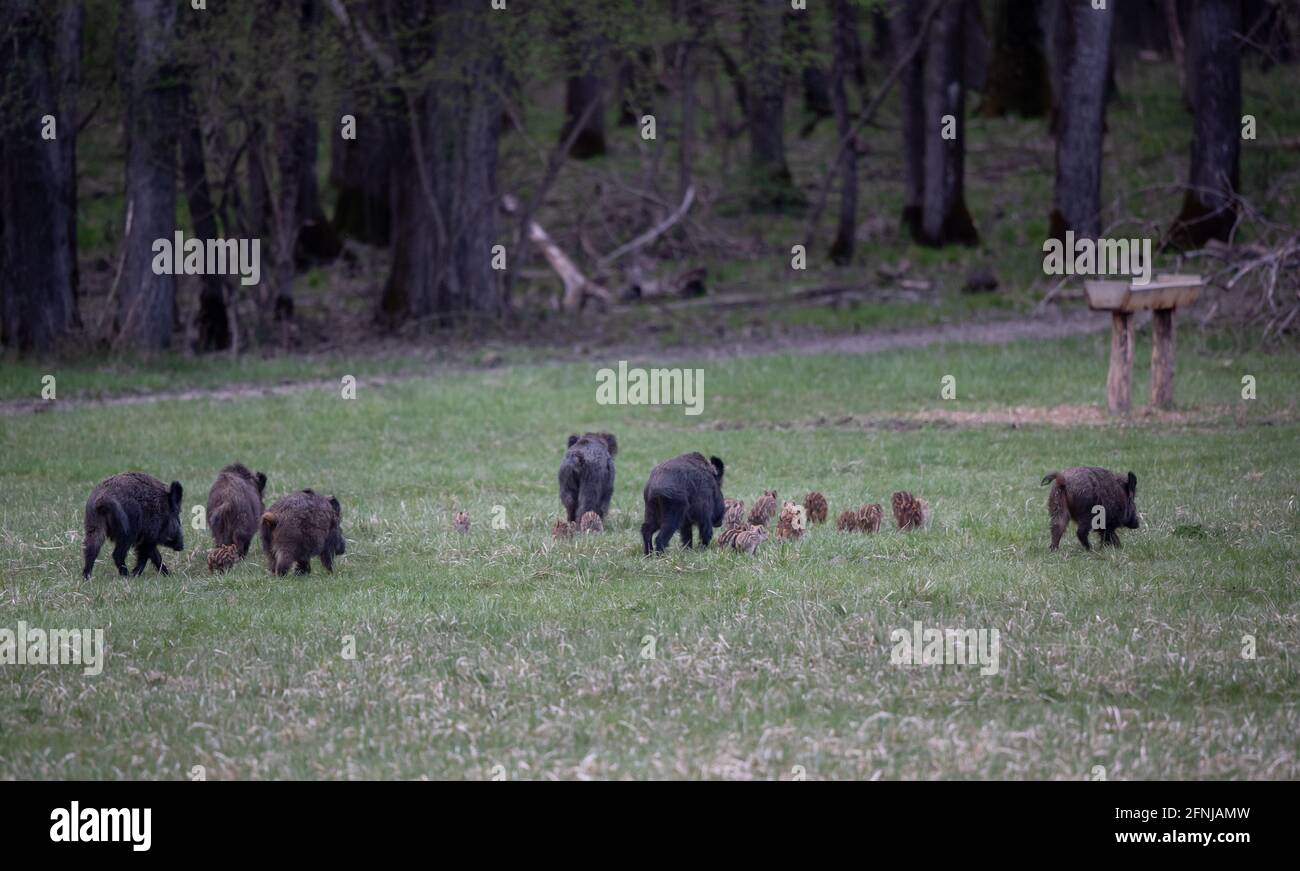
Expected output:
(504, 648)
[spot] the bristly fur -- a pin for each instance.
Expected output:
(682, 494)
(750, 538)
(133, 510)
(300, 526)
(793, 522)
(587, 474)
(815, 504)
(909, 511)
(764, 509)
(563, 529)
(223, 557)
(235, 508)
(743, 538)
(1079, 491)
(735, 515)
(870, 517)
(847, 521)
(590, 522)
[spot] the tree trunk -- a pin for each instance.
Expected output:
(845, 23)
(212, 322)
(905, 25)
(636, 84)
(147, 301)
(1214, 56)
(37, 307)
(287, 220)
(944, 218)
(444, 209)
(579, 92)
(1140, 25)
(687, 14)
(883, 46)
(1086, 59)
(1018, 74)
(360, 171)
(257, 221)
(72, 22)
(977, 48)
(812, 74)
(771, 185)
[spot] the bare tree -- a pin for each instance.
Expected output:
(944, 217)
(845, 26)
(147, 302)
(37, 253)
(1018, 80)
(771, 185)
(1085, 58)
(444, 217)
(1214, 60)
(905, 26)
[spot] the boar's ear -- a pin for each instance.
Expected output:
(573, 438)
(338, 509)
(611, 443)
(1132, 484)
(261, 482)
(718, 468)
(174, 496)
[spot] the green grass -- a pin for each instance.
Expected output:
(502, 648)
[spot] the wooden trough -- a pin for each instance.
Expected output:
(1122, 298)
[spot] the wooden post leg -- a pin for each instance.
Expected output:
(1162, 358)
(1119, 383)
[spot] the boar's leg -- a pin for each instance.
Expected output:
(688, 538)
(94, 542)
(1110, 537)
(706, 534)
(156, 558)
(647, 531)
(327, 559)
(141, 559)
(303, 567)
(670, 522)
(569, 498)
(1060, 521)
(120, 550)
(1081, 530)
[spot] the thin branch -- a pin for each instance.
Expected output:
(653, 233)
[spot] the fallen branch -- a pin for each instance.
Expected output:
(577, 287)
(654, 232)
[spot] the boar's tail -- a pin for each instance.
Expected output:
(269, 519)
(1051, 478)
(107, 513)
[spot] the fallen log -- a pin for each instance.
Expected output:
(577, 287)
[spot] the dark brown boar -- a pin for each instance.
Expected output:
(235, 507)
(300, 526)
(134, 510)
(1078, 492)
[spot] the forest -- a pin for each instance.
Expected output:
(464, 168)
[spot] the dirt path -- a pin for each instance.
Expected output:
(993, 332)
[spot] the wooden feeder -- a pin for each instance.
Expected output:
(1122, 298)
